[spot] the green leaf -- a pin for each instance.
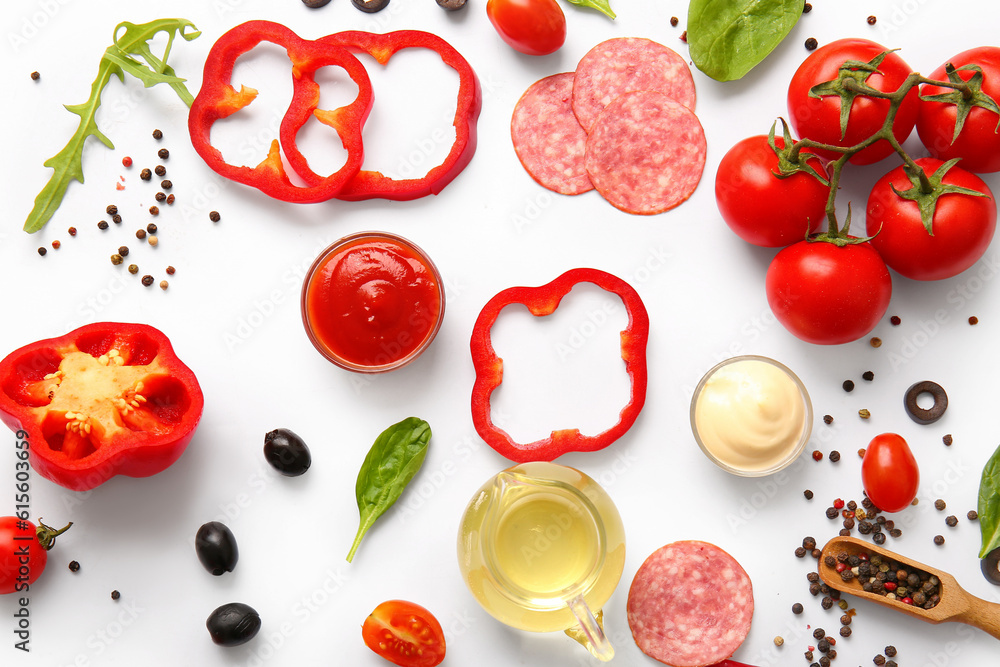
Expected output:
(728, 38)
(129, 40)
(391, 463)
(989, 504)
(603, 6)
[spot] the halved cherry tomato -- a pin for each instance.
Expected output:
(405, 634)
(889, 472)
(533, 27)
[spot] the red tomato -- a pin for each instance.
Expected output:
(819, 119)
(979, 142)
(22, 554)
(962, 225)
(405, 634)
(760, 207)
(826, 294)
(889, 473)
(534, 27)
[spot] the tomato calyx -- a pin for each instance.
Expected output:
(851, 81)
(927, 190)
(965, 95)
(840, 237)
(47, 534)
(790, 161)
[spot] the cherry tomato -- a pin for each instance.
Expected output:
(405, 634)
(819, 118)
(534, 27)
(760, 207)
(826, 294)
(889, 472)
(978, 144)
(962, 225)
(23, 552)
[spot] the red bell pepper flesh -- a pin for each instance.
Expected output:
(218, 99)
(542, 301)
(106, 399)
(368, 184)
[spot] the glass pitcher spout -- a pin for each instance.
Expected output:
(589, 630)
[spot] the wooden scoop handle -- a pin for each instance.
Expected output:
(983, 615)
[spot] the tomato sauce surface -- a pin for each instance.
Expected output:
(372, 301)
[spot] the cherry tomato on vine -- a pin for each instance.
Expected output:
(978, 144)
(889, 472)
(23, 552)
(828, 294)
(405, 634)
(760, 207)
(961, 229)
(533, 27)
(819, 118)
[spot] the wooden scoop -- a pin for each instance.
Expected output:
(956, 604)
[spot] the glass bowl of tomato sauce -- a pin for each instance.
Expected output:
(372, 302)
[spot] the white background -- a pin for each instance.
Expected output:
(232, 313)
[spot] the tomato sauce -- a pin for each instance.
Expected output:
(372, 302)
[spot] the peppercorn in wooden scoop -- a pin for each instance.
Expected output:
(854, 566)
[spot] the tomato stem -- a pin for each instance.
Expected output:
(47, 534)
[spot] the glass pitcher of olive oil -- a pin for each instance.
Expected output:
(542, 548)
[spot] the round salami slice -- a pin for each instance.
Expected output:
(548, 139)
(646, 153)
(626, 64)
(690, 605)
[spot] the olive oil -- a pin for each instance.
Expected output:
(536, 537)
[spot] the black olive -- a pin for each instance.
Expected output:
(315, 4)
(991, 566)
(216, 547)
(451, 5)
(370, 6)
(286, 452)
(917, 413)
(233, 624)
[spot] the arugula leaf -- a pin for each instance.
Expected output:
(989, 504)
(728, 38)
(603, 6)
(67, 164)
(391, 463)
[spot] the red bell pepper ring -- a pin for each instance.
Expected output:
(106, 399)
(542, 301)
(218, 99)
(368, 184)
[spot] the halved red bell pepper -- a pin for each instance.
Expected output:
(218, 99)
(369, 184)
(542, 301)
(106, 399)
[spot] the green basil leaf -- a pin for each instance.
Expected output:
(603, 6)
(391, 463)
(728, 38)
(989, 504)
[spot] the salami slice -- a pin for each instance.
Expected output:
(646, 153)
(690, 605)
(627, 64)
(548, 139)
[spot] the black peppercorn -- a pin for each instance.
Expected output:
(74, 566)
(163, 153)
(952, 521)
(848, 385)
(160, 196)
(834, 456)
(151, 228)
(811, 44)
(117, 219)
(845, 631)
(123, 251)
(42, 251)
(160, 170)
(112, 209)
(797, 608)
(145, 174)
(102, 225)
(939, 540)
(154, 210)
(147, 280)
(872, 20)
(157, 135)
(868, 376)
(808, 494)
(166, 185)
(115, 595)
(890, 651)
(214, 216)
